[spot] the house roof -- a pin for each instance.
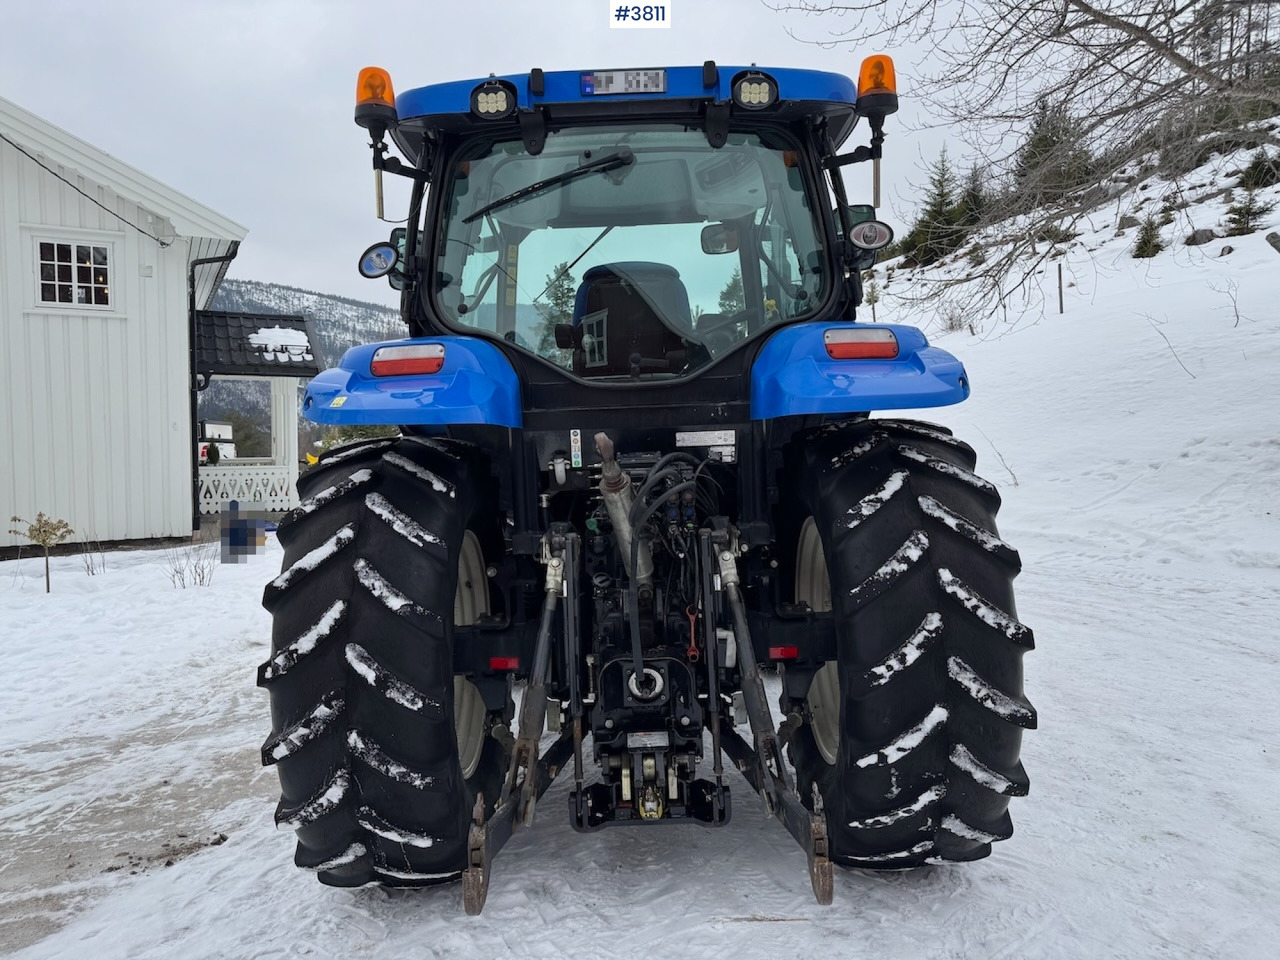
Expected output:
(39, 137)
(253, 345)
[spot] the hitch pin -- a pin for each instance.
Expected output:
(692, 652)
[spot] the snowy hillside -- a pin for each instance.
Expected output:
(1136, 443)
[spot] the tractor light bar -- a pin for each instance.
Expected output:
(755, 91)
(503, 664)
(493, 100)
(401, 361)
(860, 343)
(784, 653)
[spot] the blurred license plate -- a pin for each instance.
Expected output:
(605, 82)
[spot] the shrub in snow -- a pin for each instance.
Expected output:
(1149, 242)
(191, 566)
(1262, 171)
(1246, 214)
(954, 318)
(1055, 233)
(44, 532)
(213, 455)
(92, 558)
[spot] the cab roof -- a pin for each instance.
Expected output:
(572, 94)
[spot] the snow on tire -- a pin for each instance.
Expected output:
(361, 681)
(911, 738)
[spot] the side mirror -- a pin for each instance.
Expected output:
(379, 260)
(871, 235)
(719, 238)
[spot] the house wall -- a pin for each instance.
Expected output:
(95, 424)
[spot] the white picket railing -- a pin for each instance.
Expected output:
(269, 486)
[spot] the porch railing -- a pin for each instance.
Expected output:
(267, 485)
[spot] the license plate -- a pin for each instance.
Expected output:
(614, 82)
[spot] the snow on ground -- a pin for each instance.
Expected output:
(1141, 428)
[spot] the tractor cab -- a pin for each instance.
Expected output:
(629, 225)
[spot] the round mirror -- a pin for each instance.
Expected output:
(378, 260)
(871, 235)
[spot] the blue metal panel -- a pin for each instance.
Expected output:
(683, 83)
(794, 375)
(476, 385)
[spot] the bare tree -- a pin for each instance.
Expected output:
(1142, 85)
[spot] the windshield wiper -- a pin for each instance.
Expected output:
(622, 158)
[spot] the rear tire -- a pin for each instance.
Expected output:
(380, 749)
(911, 737)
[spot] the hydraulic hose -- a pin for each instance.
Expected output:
(637, 651)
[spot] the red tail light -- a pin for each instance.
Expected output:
(784, 653)
(412, 358)
(504, 663)
(860, 343)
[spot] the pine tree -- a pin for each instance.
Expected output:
(1148, 243)
(1245, 215)
(938, 230)
(973, 198)
(560, 294)
(732, 298)
(1262, 171)
(1052, 163)
(213, 456)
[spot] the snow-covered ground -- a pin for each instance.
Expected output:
(1143, 429)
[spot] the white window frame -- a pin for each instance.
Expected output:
(74, 280)
(74, 237)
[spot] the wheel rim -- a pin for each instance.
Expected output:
(470, 602)
(813, 586)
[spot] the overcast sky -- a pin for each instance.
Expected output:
(246, 105)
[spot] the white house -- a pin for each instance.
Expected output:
(102, 269)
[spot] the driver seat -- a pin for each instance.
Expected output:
(629, 310)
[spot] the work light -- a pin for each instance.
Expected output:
(493, 100)
(754, 91)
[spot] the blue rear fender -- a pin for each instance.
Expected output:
(794, 375)
(476, 384)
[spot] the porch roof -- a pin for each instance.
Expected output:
(253, 345)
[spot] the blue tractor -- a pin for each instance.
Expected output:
(637, 471)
